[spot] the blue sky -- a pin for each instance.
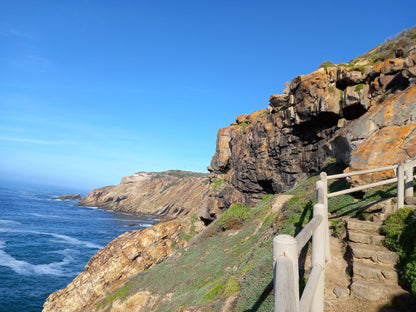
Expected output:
(91, 91)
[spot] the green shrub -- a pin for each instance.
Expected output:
(393, 228)
(216, 182)
(120, 293)
(234, 216)
(359, 87)
(326, 64)
(400, 231)
(231, 287)
(214, 292)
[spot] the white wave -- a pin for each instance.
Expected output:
(2, 244)
(62, 238)
(74, 241)
(9, 222)
(26, 268)
(90, 207)
(39, 215)
(146, 225)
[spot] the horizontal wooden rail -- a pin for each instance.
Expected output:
(310, 289)
(353, 173)
(305, 235)
(362, 187)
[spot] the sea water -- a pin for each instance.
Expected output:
(45, 243)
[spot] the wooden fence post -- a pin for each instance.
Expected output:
(319, 242)
(400, 186)
(408, 184)
(322, 198)
(286, 274)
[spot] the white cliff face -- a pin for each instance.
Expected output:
(136, 178)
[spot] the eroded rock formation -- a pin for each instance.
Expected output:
(125, 256)
(167, 194)
(352, 112)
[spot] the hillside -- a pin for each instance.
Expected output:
(341, 117)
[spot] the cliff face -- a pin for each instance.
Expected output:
(166, 194)
(339, 111)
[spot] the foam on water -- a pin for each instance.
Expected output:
(25, 268)
(74, 241)
(9, 222)
(62, 238)
(39, 215)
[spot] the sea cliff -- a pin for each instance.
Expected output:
(166, 194)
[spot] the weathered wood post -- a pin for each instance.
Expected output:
(319, 239)
(322, 198)
(408, 184)
(400, 186)
(286, 274)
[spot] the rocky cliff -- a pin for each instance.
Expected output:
(128, 254)
(362, 114)
(165, 194)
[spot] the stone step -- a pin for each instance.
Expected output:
(380, 216)
(375, 291)
(368, 290)
(379, 205)
(386, 274)
(368, 226)
(388, 209)
(377, 254)
(363, 237)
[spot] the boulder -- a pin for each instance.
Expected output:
(355, 101)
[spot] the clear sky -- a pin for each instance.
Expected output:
(91, 91)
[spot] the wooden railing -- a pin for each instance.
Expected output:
(286, 248)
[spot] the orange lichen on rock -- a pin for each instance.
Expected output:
(254, 116)
(411, 95)
(390, 145)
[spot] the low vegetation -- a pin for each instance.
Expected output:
(235, 216)
(216, 183)
(400, 231)
(403, 41)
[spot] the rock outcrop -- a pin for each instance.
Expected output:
(164, 194)
(125, 256)
(337, 112)
(69, 197)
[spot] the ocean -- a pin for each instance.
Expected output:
(45, 243)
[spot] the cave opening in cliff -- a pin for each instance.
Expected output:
(267, 186)
(322, 121)
(354, 111)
